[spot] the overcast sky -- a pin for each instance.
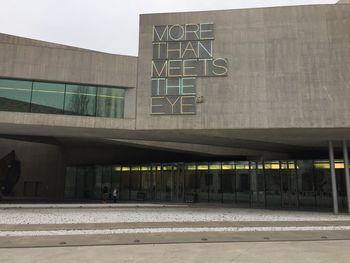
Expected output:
(99, 24)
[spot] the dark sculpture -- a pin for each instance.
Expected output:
(10, 171)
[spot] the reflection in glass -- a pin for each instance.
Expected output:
(48, 97)
(276, 184)
(59, 98)
(80, 100)
(15, 95)
(110, 102)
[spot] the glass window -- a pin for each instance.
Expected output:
(80, 100)
(48, 97)
(110, 102)
(15, 95)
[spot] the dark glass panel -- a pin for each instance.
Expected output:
(243, 183)
(125, 183)
(69, 190)
(110, 102)
(98, 183)
(80, 100)
(178, 183)
(48, 97)
(116, 180)
(147, 183)
(257, 184)
(214, 180)
(323, 185)
(190, 183)
(157, 173)
(273, 184)
(15, 95)
(89, 183)
(167, 182)
(85, 182)
(203, 182)
(103, 184)
(229, 182)
(289, 184)
(341, 184)
(135, 182)
(306, 187)
(80, 183)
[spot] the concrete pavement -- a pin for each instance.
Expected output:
(262, 252)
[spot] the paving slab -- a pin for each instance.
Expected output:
(136, 225)
(94, 206)
(243, 252)
(170, 238)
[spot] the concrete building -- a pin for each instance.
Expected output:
(241, 106)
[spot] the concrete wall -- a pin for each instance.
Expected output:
(288, 67)
(41, 163)
(25, 58)
(33, 59)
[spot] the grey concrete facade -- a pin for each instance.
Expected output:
(31, 59)
(288, 67)
(286, 92)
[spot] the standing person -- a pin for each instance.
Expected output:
(115, 194)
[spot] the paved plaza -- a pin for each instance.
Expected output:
(81, 213)
(248, 252)
(169, 233)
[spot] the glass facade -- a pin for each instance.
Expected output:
(61, 98)
(15, 95)
(304, 184)
(47, 98)
(80, 100)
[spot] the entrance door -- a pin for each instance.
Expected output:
(170, 183)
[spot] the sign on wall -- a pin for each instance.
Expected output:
(180, 54)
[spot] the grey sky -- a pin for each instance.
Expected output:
(104, 25)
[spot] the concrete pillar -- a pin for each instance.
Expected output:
(334, 182)
(347, 176)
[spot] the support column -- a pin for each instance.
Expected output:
(347, 176)
(334, 182)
